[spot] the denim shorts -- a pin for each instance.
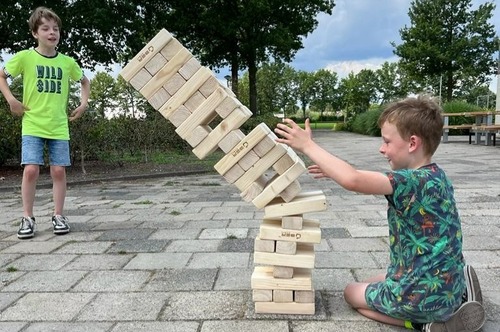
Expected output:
(33, 150)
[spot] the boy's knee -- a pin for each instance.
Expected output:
(31, 172)
(57, 172)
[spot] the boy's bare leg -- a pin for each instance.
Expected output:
(354, 294)
(28, 188)
(58, 174)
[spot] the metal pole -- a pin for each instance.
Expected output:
(497, 107)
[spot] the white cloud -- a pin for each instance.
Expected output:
(343, 68)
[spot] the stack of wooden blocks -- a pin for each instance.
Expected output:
(208, 116)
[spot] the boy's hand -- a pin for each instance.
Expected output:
(294, 136)
(316, 172)
(17, 108)
(77, 113)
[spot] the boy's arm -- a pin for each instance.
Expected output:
(84, 99)
(16, 107)
(328, 165)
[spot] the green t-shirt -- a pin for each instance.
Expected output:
(46, 82)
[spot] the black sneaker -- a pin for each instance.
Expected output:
(473, 288)
(468, 318)
(27, 228)
(60, 224)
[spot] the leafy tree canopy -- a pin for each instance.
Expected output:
(448, 39)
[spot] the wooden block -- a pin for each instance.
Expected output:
(279, 184)
(282, 296)
(285, 163)
(248, 160)
(179, 116)
(194, 101)
(233, 121)
(231, 140)
(283, 272)
(262, 295)
(147, 53)
(197, 135)
(171, 49)
(305, 202)
(186, 91)
(140, 79)
(166, 73)
(254, 189)
(304, 258)
(292, 222)
(155, 64)
(234, 173)
(244, 146)
(209, 86)
(286, 247)
(292, 308)
(227, 106)
(291, 191)
(261, 166)
(262, 278)
(203, 114)
(270, 229)
(264, 245)
(189, 68)
(301, 296)
(265, 145)
(174, 84)
(159, 98)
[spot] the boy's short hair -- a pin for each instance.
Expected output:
(420, 116)
(35, 19)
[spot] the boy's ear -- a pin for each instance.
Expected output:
(415, 143)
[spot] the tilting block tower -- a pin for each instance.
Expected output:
(208, 116)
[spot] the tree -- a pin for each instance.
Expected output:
(245, 33)
(276, 89)
(93, 31)
(448, 40)
(305, 89)
(129, 100)
(325, 91)
(103, 94)
(392, 84)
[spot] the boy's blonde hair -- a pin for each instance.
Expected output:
(35, 19)
(420, 116)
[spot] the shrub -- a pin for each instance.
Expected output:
(367, 123)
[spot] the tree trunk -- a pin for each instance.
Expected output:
(252, 77)
(234, 74)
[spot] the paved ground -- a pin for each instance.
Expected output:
(175, 253)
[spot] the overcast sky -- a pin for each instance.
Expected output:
(358, 35)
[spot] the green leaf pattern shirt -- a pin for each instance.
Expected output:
(424, 280)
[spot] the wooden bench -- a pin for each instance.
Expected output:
(490, 132)
(467, 127)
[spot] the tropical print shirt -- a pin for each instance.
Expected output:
(424, 280)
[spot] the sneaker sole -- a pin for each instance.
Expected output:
(470, 317)
(61, 231)
(26, 236)
(473, 288)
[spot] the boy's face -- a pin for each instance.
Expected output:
(47, 34)
(394, 147)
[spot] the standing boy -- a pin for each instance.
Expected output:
(427, 285)
(46, 77)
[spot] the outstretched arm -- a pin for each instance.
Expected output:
(328, 165)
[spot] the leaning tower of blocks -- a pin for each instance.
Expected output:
(207, 116)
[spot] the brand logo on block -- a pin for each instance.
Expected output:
(240, 148)
(145, 54)
(290, 234)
